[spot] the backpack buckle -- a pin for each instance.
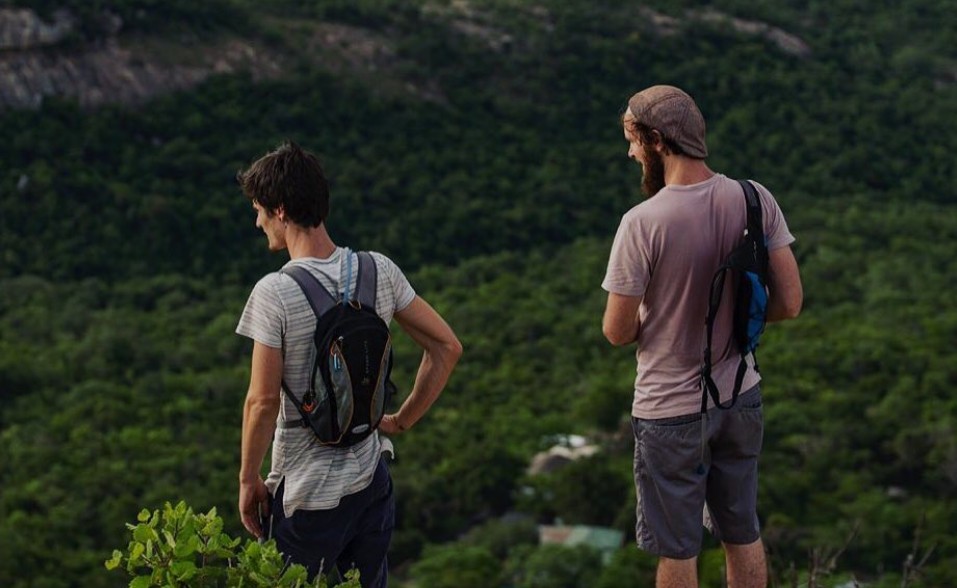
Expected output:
(309, 402)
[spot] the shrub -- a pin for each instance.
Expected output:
(177, 547)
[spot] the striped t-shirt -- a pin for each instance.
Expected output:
(278, 315)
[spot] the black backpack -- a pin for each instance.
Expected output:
(349, 386)
(748, 265)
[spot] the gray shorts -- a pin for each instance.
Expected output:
(674, 484)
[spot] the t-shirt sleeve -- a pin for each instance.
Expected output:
(401, 288)
(629, 265)
(264, 317)
(775, 226)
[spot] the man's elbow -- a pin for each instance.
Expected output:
(793, 309)
(453, 349)
(615, 336)
(786, 309)
(258, 402)
(449, 350)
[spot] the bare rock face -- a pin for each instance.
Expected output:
(113, 74)
(23, 29)
(104, 75)
(33, 66)
(786, 42)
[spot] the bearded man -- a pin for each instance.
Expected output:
(658, 280)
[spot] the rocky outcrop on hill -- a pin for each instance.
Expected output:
(23, 29)
(113, 74)
(666, 25)
(35, 64)
(784, 40)
(40, 60)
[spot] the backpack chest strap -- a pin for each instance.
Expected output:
(294, 424)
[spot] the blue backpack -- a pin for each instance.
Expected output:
(748, 265)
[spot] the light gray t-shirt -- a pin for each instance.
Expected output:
(667, 250)
(278, 315)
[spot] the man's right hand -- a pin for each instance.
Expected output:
(253, 499)
(389, 425)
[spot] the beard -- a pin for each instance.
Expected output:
(653, 172)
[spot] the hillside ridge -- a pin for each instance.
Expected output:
(42, 59)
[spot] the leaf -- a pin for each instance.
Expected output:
(140, 582)
(269, 568)
(114, 562)
(213, 527)
(143, 516)
(144, 533)
(183, 570)
(188, 529)
(186, 547)
(294, 576)
(252, 550)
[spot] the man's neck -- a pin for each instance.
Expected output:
(684, 171)
(311, 242)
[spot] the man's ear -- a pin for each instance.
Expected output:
(281, 214)
(658, 142)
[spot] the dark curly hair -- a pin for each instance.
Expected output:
(290, 178)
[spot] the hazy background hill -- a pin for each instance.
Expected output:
(477, 144)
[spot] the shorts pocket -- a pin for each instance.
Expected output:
(751, 400)
(678, 421)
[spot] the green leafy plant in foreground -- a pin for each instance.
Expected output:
(177, 547)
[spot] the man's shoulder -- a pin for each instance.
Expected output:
(763, 191)
(652, 209)
(380, 258)
(384, 264)
(269, 283)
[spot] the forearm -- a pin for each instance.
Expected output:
(259, 423)
(785, 293)
(621, 324)
(434, 371)
(777, 311)
(619, 336)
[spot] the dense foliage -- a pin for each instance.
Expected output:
(178, 548)
(126, 254)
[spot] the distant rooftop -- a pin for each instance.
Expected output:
(604, 539)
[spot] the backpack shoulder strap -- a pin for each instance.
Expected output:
(319, 298)
(366, 280)
(755, 234)
(753, 201)
(756, 228)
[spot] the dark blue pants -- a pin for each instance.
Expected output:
(354, 534)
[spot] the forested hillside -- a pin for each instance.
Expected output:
(478, 144)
